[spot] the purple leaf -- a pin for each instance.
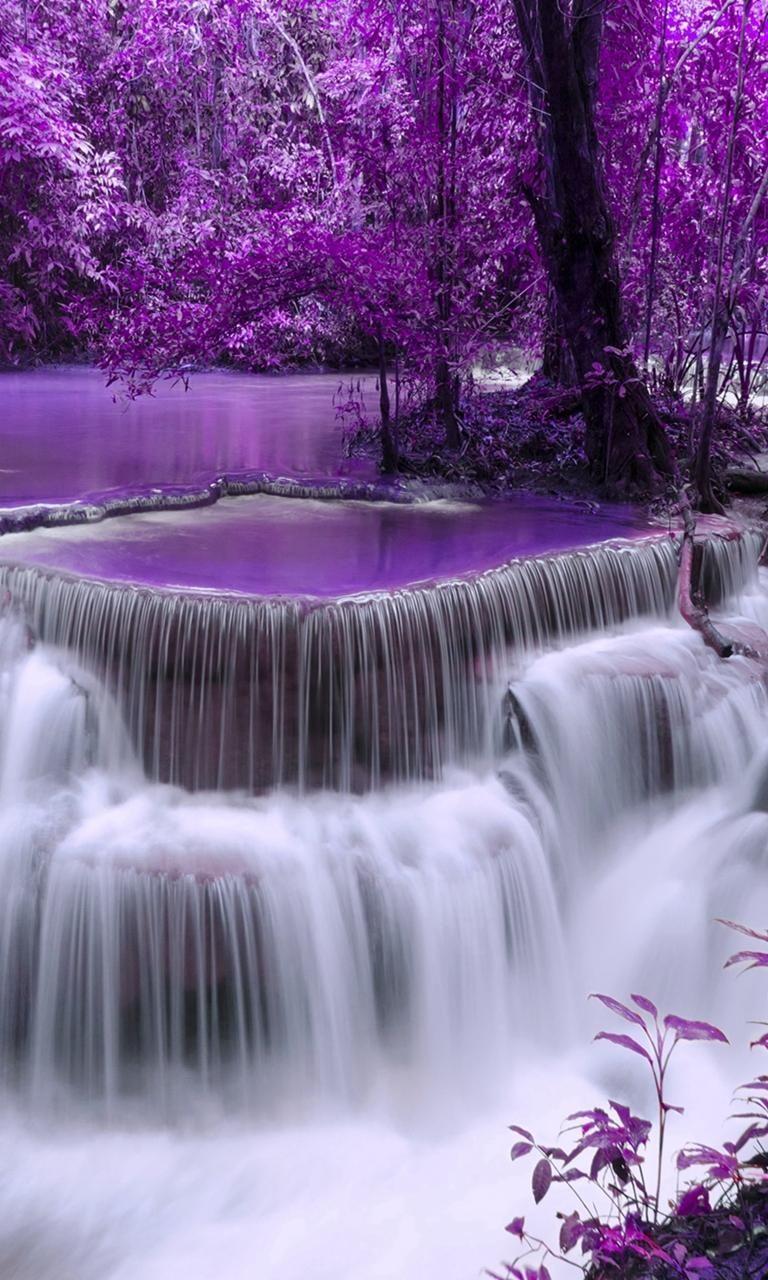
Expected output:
(541, 1180)
(594, 1116)
(694, 1203)
(515, 1128)
(520, 1149)
(758, 959)
(700, 1266)
(742, 928)
(602, 1158)
(516, 1227)
(617, 1007)
(719, 1163)
(647, 1005)
(626, 1042)
(570, 1231)
(623, 1112)
(686, 1029)
(752, 1131)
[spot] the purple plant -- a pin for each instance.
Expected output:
(718, 1227)
(273, 182)
(605, 1163)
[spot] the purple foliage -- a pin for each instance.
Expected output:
(718, 1226)
(270, 182)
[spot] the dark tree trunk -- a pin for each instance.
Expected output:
(708, 501)
(625, 441)
(388, 443)
(446, 403)
(721, 305)
(556, 361)
(446, 399)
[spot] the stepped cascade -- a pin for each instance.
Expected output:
(383, 640)
(222, 691)
(275, 849)
(212, 804)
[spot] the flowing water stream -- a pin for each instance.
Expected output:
(300, 903)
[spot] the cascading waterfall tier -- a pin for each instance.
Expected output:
(225, 692)
(326, 945)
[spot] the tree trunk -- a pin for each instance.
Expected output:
(720, 305)
(625, 441)
(655, 200)
(556, 362)
(446, 403)
(707, 498)
(692, 606)
(388, 444)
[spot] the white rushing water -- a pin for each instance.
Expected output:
(281, 1035)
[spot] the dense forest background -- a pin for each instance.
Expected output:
(414, 183)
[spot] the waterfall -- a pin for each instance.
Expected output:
(224, 692)
(278, 949)
(286, 945)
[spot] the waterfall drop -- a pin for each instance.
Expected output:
(356, 862)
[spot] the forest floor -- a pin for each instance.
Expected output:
(532, 438)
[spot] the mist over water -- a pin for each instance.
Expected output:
(281, 1033)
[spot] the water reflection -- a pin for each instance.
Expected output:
(225, 423)
(265, 545)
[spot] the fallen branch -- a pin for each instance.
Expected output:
(746, 481)
(693, 608)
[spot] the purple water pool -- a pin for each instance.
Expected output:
(65, 444)
(265, 545)
(63, 439)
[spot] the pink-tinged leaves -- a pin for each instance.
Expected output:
(625, 1042)
(742, 928)
(515, 1128)
(570, 1232)
(516, 1227)
(757, 1130)
(698, 1267)
(688, 1029)
(520, 1149)
(752, 959)
(594, 1116)
(600, 1160)
(541, 1180)
(618, 1008)
(555, 1153)
(646, 1005)
(622, 1111)
(720, 1164)
(694, 1203)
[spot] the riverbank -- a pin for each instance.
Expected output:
(532, 437)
